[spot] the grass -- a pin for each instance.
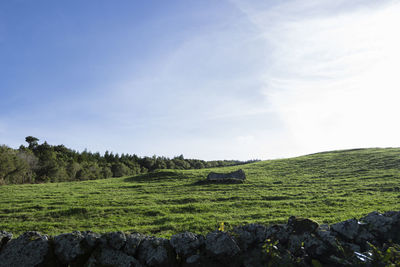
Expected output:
(327, 187)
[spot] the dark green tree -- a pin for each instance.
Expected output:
(32, 142)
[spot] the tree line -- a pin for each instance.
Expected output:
(39, 163)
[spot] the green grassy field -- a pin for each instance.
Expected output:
(327, 187)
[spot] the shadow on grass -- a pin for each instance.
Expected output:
(160, 176)
(68, 212)
(225, 181)
(156, 176)
(273, 198)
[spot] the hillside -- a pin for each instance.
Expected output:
(40, 163)
(327, 187)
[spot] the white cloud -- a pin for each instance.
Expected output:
(332, 78)
(284, 78)
(326, 70)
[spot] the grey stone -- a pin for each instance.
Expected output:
(321, 244)
(111, 257)
(311, 243)
(90, 238)
(299, 239)
(4, 238)
(300, 225)
(67, 247)
(186, 243)
(115, 240)
(155, 252)
(336, 261)
(348, 229)
(29, 249)
(193, 259)
(295, 244)
(350, 247)
(327, 238)
(278, 232)
(75, 247)
(395, 231)
(254, 258)
(221, 244)
(395, 215)
(250, 234)
(379, 225)
(132, 243)
(238, 175)
(363, 236)
(324, 227)
(315, 246)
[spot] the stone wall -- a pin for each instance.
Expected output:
(299, 242)
(238, 175)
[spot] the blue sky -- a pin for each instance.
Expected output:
(207, 79)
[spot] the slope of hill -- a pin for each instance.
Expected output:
(327, 187)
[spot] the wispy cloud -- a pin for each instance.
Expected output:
(261, 79)
(207, 88)
(332, 75)
(277, 80)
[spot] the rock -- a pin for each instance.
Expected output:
(320, 245)
(336, 261)
(74, 248)
(300, 242)
(90, 239)
(115, 240)
(156, 252)
(218, 177)
(327, 238)
(4, 238)
(295, 244)
(350, 248)
(132, 243)
(379, 225)
(29, 249)
(221, 244)
(250, 234)
(200, 260)
(193, 259)
(300, 225)
(111, 257)
(395, 215)
(67, 247)
(315, 247)
(348, 229)
(363, 237)
(324, 227)
(310, 243)
(255, 257)
(278, 232)
(186, 244)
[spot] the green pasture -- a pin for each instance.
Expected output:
(327, 187)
